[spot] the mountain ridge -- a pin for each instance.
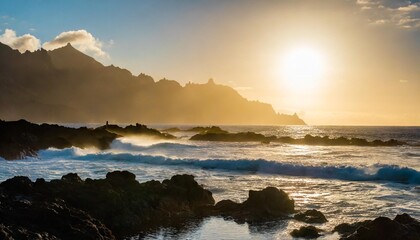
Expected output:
(65, 85)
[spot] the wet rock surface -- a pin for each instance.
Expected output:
(311, 216)
(308, 232)
(24, 215)
(267, 204)
(118, 202)
(401, 227)
(307, 140)
(119, 206)
(20, 139)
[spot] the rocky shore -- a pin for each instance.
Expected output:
(20, 139)
(119, 206)
(307, 140)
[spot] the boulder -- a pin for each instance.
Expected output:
(311, 216)
(269, 201)
(265, 205)
(70, 178)
(346, 229)
(402, 227)
(308, 232)
(19, 184)
(121, 178)
(184, 187)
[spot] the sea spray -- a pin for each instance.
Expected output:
(392, 173)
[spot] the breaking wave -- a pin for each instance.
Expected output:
(392, 173)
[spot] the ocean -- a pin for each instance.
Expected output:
(346, 183)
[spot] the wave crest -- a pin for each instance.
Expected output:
(392, 173)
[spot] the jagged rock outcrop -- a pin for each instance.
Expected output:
(267, 204)
(120, 206)
(118, 202)
(307, 140)
(24, 214)
(401, 227)
(20, 139)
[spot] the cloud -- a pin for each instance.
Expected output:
(402, 14)
(409, 8)
(379, 22)
(81, 40)
(26, 42)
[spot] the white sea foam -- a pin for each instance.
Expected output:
(346, 183)
(376, 172)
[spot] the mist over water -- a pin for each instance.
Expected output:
(346, 183)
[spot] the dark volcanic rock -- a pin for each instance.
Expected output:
(307, 140)
(20, 139)
(307, 232)
(123, 205)
(267, 204)
(227, 206)
(118, 202)
(402, 227)
(120, 178)
(26, 217)
(70, 177)
(136, 130)
(204, 130)
(311, 216)
(269, 201)
(346, 229)
(187, 188)
(18, 184)
(71, 208)
(233, 137)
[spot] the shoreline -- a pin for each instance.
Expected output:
(21, 139)
(122, 207)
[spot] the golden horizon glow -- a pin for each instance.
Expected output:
(331, 62)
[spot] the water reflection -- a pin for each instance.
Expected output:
(219, 228)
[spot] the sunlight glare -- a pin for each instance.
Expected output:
(303, 68)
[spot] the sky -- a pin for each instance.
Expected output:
(333, 62)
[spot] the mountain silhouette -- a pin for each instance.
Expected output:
(65, 85)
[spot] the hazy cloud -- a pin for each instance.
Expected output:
(80, 39)
(409, 8)
(402, 14)
(26, 42)
(379, 22)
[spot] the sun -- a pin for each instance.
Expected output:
(303, 68)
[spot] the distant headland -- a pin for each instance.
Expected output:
(65, 85)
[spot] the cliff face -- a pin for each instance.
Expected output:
(64, 85)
